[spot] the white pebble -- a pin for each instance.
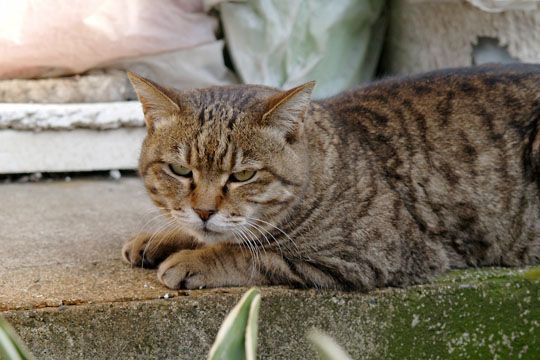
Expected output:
(115, 174)
(415, 320)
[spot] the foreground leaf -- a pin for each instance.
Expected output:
(11, 346)
(237, 337)
(326, 347)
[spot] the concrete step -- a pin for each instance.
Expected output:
(65, 289)
(99, 136)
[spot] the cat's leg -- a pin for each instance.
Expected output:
(149, 250)
(225, 265)
(392, 257)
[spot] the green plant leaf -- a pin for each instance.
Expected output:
(532, 273)
(252, 328)
(326, 347)
(237, 337)
(11, 346)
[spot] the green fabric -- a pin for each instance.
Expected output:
(287, 43)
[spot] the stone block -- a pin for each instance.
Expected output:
(70, 137)
(426, 35)
(95, 86)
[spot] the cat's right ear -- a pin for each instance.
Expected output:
(287, 109)
(157, 105)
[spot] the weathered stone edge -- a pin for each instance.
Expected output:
(497, 317)
(95, 116)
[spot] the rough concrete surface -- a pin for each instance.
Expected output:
(95, 116)
(65, 290)
(94, 86)
(60, 242)
(418, 36)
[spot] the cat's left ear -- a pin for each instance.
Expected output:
(157, 105)
(287, 110)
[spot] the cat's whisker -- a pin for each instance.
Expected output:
(151, 220)
(162, 231)
(247, 245)
(256, 227)
(281, 231)
(259, 240)
(239, 241)
(256, 239)
(158, 231)
(154, 229)
(159, 211)
(152, 211)
(263, 231)
(253, 249)
(244, 244)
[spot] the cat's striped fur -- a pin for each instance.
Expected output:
(384, 185)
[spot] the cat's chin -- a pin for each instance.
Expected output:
(209, 237)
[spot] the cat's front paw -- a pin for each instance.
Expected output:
(184, 270)
(150, 250)
(135, 251)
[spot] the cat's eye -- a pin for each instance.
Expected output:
(180, 170)
(242, 176)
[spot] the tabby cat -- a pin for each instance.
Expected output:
(384, 185)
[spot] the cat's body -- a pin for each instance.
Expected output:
(385, 185)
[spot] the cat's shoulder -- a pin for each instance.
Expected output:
(466, 79)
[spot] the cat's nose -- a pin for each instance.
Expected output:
(204, 214)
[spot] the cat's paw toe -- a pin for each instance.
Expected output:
(177, 274)
(175, 278)
(135, 252)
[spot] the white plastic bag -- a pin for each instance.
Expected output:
(195, 67)
(286, 43)
(505, 5)
(58, 37)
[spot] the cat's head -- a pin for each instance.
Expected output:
(226, 163)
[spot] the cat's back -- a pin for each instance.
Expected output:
(442, 94)
(460, 147)
(472, 80)
(461, 112)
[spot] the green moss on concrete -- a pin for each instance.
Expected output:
(483, 313)
(479, 314)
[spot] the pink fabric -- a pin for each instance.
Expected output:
(58, 37)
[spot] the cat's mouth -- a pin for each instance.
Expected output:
(206, 230)
(217, 228)
(211, 233)
(210, 236)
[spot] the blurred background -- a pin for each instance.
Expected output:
(66, 105)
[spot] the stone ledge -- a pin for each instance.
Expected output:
(70, 137)
(94, 86)
(95, 116)
(494, 315)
